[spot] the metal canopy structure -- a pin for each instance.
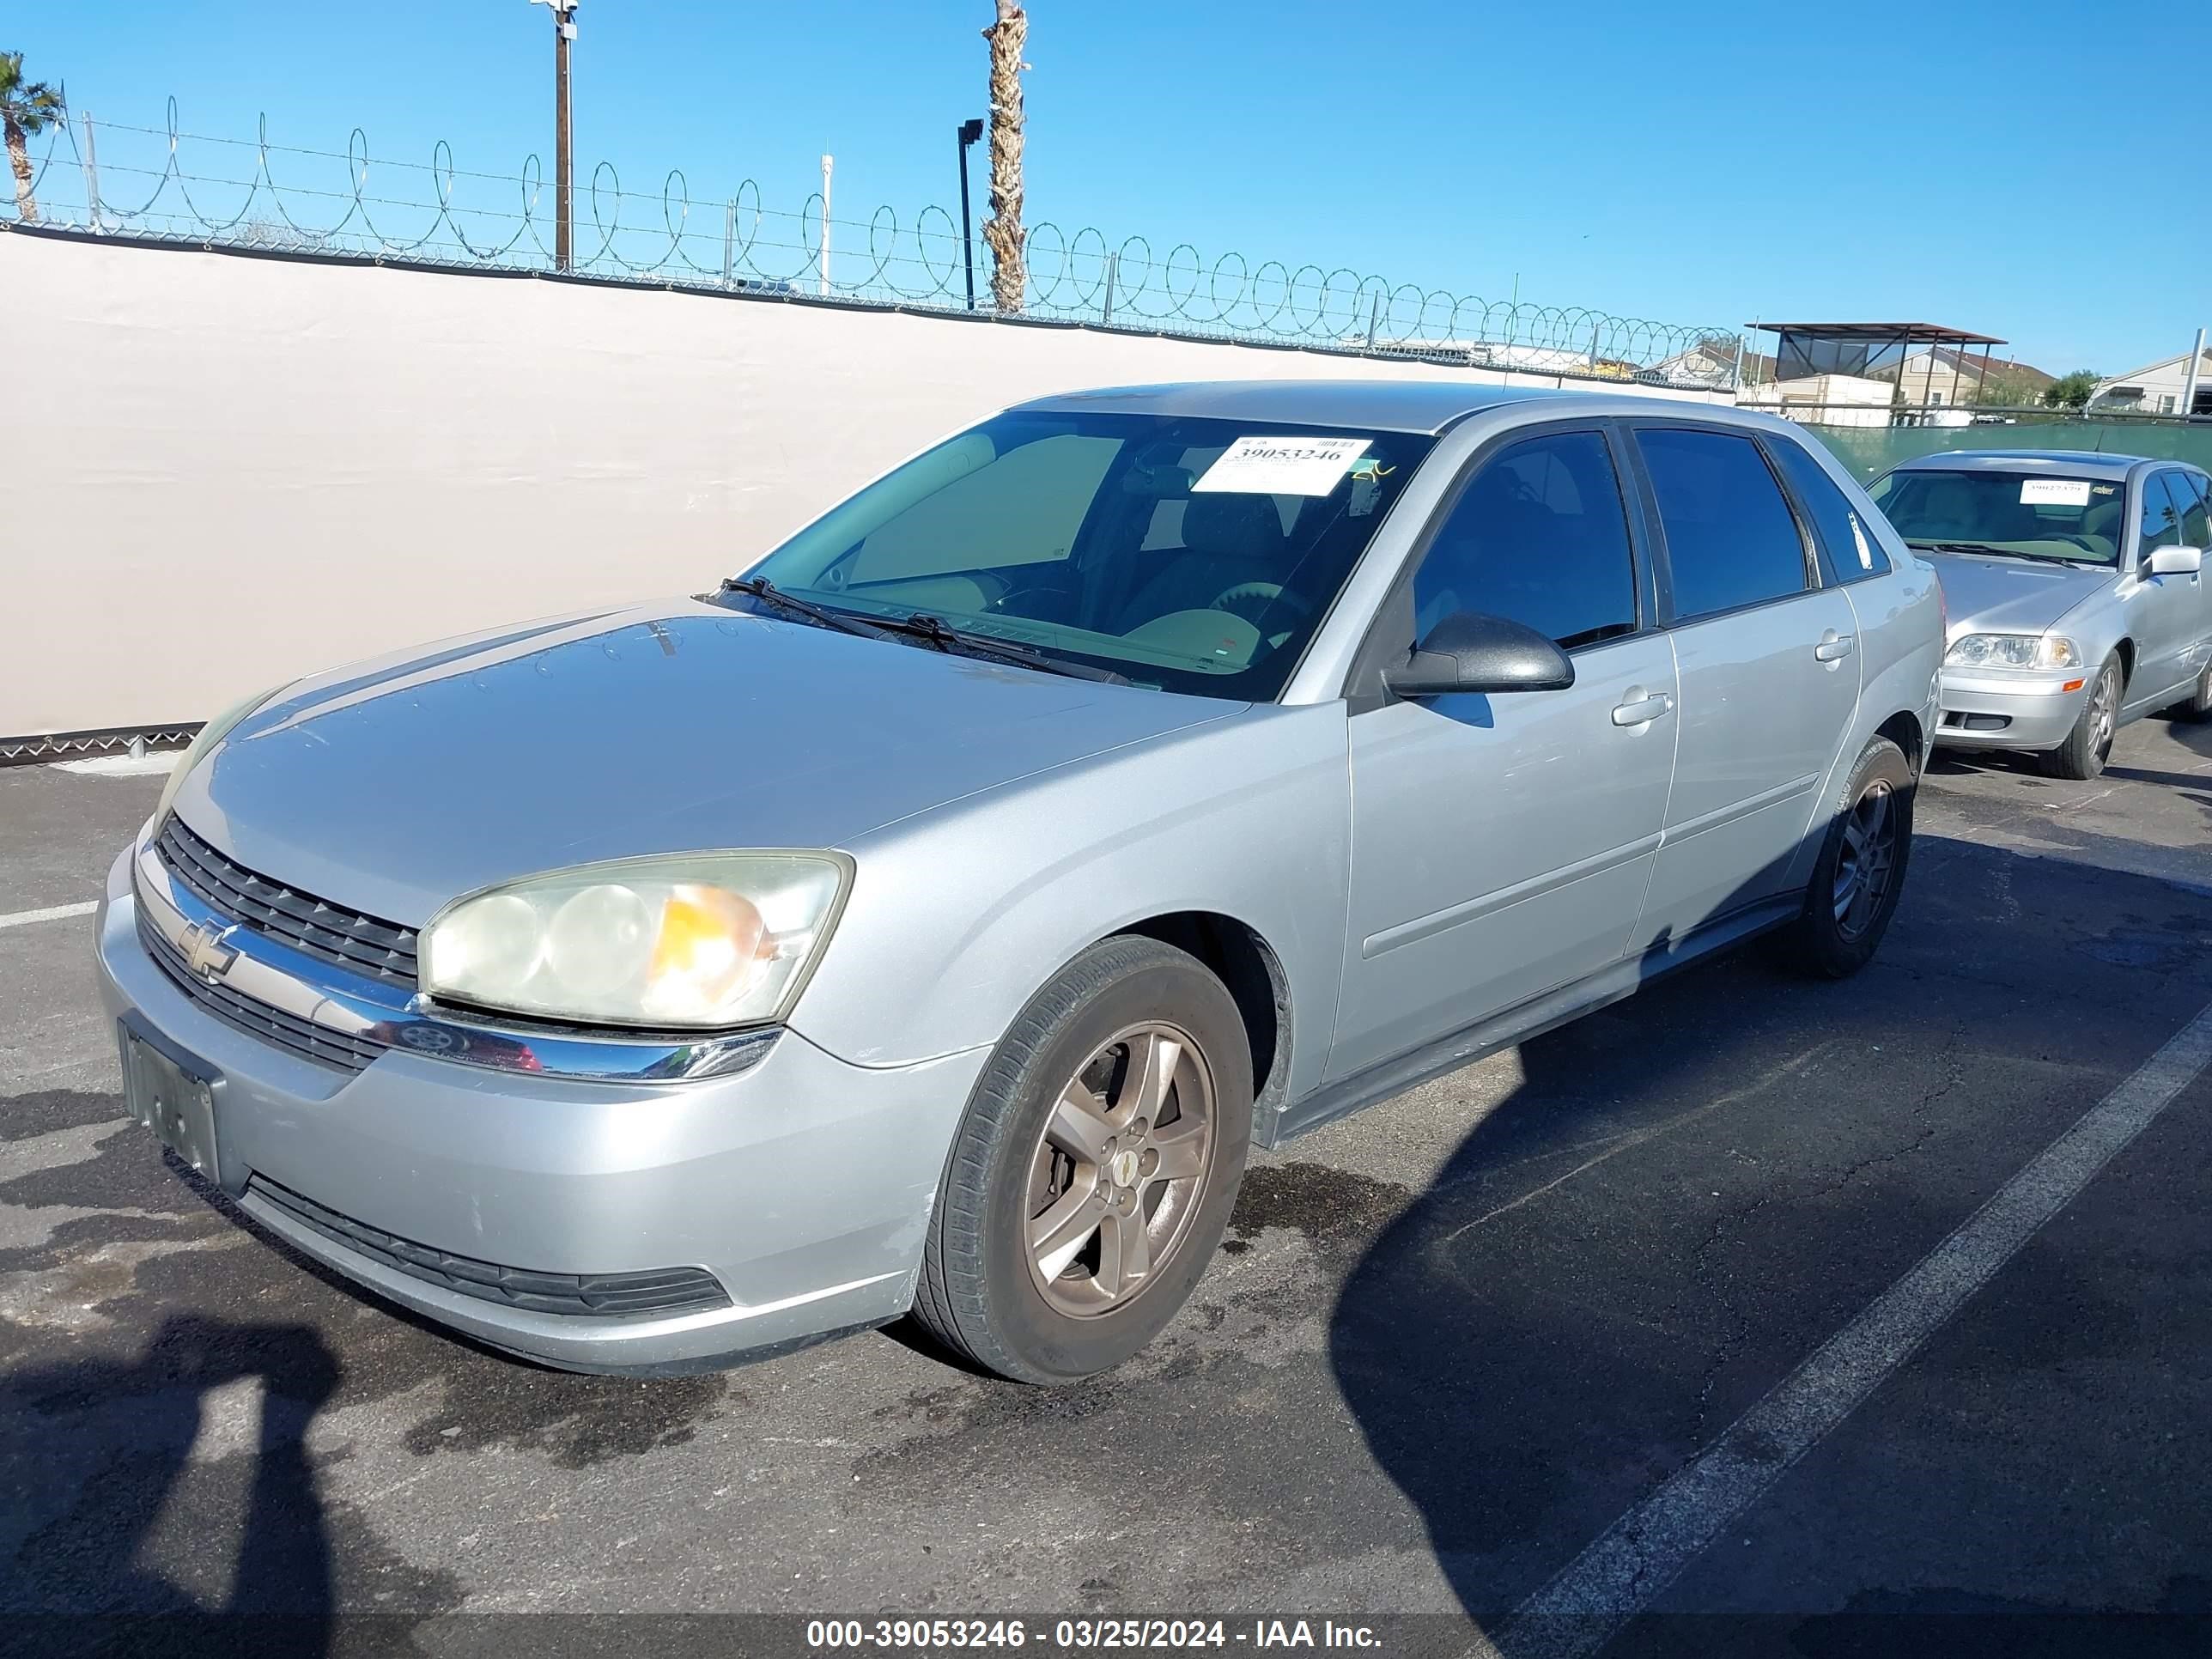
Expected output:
(1874, 351)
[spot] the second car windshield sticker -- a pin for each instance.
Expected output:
(2054, 492)
(1282, 466)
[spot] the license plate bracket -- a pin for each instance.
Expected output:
(171, 1092)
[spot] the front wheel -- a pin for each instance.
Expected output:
(1094, 1172)
(2089, 744)
(1860, 873)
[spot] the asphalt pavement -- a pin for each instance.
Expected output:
(1484, 1339)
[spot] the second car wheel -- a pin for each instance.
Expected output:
(1093, 1174)
(2089, 744)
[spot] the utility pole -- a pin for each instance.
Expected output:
(2188, 381)
(969, 133)
(92, 174)
(827, 163)
(564, 31)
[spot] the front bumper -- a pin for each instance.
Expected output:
(1985, 710)
(803, 1184)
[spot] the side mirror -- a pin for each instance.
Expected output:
(2175, 562)
(1472, 651)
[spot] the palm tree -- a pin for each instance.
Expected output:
(1002, 231)
(26, 107)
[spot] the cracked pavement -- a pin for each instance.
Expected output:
(1445, 1345)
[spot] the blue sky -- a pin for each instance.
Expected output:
(2016, 169)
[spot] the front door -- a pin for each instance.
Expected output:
(1501, 843)
(1769, 664)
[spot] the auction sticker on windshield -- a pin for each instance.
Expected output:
(2054, 492)
(1282, 466)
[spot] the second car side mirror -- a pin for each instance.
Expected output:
(1472, 651)
(2175, 562)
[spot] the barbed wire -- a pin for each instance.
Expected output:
(108, 178)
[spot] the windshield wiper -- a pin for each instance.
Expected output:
(934, 631)
(760, 588)
(929, 630)
(1988, 551)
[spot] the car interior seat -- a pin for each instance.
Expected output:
(1229, 539)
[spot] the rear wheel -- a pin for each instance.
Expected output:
(1095, 1170)
(1860, 873)
(2089, 744)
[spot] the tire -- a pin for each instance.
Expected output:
(2089, 744)
(1850, 898)
(1002, 1285)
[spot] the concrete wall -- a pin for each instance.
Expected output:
(236, 470)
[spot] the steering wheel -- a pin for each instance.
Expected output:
(1259, 597)
(2082, 542)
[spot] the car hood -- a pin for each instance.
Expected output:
(394, 786)
(2010, 596)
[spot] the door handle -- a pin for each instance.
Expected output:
(1834, 646)
(1644, 710)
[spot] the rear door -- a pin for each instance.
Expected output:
(1768, 662)
(1501, 844)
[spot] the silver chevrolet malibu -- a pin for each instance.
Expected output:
(929, 921)
(2076, 595)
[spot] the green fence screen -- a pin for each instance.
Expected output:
(1870, 451)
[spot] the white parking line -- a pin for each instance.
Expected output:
(52, 912)
(1641, 1553)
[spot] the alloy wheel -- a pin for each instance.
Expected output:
(1118, 1172)
(2103, 717)
(1868, 859)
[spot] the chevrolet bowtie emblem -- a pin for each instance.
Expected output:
(205, 953)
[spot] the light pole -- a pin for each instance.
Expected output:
(564, 31)
(969, 132)
(828, 164)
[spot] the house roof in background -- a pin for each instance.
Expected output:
(2203, 367)
(1969, 362)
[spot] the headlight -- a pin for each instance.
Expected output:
(210, 735)
(2013, 651)
(688, 939)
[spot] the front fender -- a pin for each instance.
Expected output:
(958, 916)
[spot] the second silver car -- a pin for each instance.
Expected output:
(2076, 590)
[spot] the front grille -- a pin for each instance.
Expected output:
(256, 1018)
(658, 1291)
(332, 933)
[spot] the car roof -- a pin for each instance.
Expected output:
(1376, 405)
(2077, 462)
(1427, 406)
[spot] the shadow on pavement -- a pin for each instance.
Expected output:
(1753, 1158)
(86, 1568)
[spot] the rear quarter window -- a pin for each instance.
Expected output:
(1853, 553)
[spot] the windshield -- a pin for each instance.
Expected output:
(1193, 556)
(2030, 516)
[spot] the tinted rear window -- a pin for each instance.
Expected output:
(1731, 538)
